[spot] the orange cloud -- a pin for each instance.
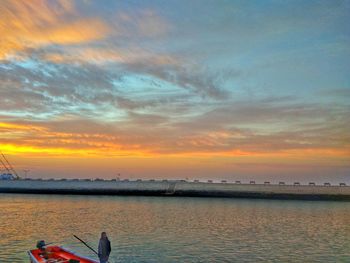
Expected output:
(36, 23)
(26, 25)
(110, 55)
(86, 55)
(37, 140)
(12, 126)
(25, 139)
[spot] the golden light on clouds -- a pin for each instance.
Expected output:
(32, 24)
(193, 84)
(105, 55)
(35, 140)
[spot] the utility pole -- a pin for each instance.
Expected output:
(26, 171)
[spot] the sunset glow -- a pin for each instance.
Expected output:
(239, 89)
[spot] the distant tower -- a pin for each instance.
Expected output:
(26, 171)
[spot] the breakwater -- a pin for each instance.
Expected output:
(177, 188)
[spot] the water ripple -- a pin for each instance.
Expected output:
(154, 229)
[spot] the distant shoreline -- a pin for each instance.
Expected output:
(177, 188)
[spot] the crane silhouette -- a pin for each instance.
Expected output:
(7, 165)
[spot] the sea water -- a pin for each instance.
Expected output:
(172, 229)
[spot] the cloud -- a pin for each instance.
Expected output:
(57, 33)
(139, 62)
(31, 24)
(28, 25)
(131, 82)
(103, 55)
(146, 134)
(50, 90)
(174, 70)
(56, 87)
(99, 56)
(190, 77)
(73, 101)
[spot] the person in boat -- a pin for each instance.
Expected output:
(104, 248)
(41, 245)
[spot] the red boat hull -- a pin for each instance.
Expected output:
(56, 254)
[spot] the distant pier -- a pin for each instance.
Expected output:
(196, 188)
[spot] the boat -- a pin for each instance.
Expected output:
(6, 176)
(55, 254)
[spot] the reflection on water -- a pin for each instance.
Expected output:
(160, 229)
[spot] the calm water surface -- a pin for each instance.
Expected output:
(158, 229)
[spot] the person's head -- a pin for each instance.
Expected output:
(41, 245)
(103, 235)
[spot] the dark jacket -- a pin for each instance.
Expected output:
(104, 247)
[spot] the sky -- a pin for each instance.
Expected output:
(234, 90)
